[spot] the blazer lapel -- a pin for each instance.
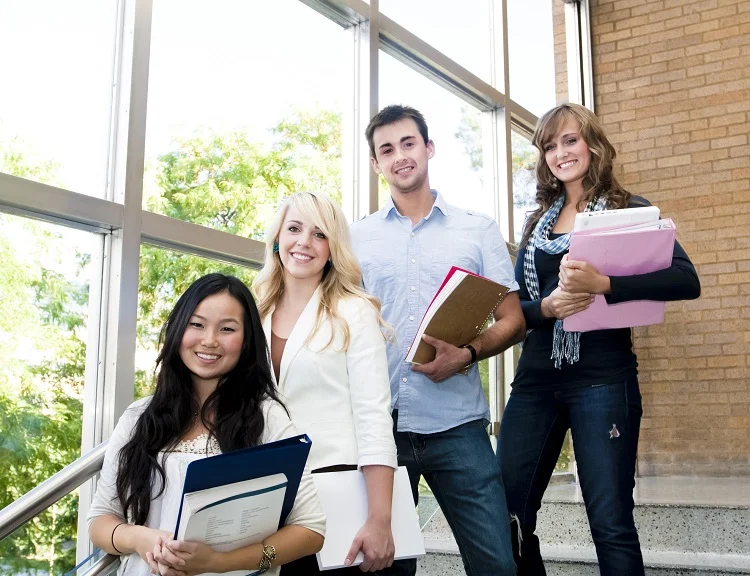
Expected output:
(267, 332)
(300, 332)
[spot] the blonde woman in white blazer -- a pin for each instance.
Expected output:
(327, 345)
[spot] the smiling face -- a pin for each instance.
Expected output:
(402, 156)
(303, 248)
(212, 343)
(567, 154)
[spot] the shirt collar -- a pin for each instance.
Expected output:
(439, 203)
(385, 210)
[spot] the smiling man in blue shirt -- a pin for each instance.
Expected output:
(439, 414)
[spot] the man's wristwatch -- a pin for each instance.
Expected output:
(471, 349)
(269, 554)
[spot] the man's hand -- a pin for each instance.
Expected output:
(577, 276)
(449, 359)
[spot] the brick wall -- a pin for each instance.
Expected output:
(561, 56)
(672, 84)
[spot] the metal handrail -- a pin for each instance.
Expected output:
(102, 565)
(51, 490)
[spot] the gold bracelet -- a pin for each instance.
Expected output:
(267, 556)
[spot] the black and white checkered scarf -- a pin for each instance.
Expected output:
(565, 345)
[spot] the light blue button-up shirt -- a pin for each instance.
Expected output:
(403, 266)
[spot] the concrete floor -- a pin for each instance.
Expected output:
(714, 491)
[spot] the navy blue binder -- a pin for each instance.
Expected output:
(287, 456)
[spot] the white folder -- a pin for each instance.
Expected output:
(343, 496)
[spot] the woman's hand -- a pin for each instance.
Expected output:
(561, 303)
(577, 277)
(180, 557)
(145, 539)
(376, 542)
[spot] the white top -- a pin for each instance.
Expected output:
(306, 512)
(340, 399)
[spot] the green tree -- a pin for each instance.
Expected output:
(41, 324)
(42, 435)
(469, 133)
(523, 166)
(40, 392)
(524, 155)
(229, 183)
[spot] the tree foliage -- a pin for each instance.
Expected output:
(229, 182)
(524, 155)
(41, 390)
(233, 184)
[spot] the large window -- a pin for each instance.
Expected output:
(457, 170)
(164, 276)
(461, 34)
(531, 54)
(56, 64)
(240, 115)
(45, 274)
(524, 181)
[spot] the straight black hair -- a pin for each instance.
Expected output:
(236, 404)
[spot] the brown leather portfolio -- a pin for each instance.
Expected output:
(458, 312)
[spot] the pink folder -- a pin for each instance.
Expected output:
(624, 252)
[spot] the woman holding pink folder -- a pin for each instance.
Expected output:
(585, 382)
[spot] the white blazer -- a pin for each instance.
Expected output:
(342, 400)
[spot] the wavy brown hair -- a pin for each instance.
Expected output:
(599, 180)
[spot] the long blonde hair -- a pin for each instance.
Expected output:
(599, 179)
(342, 277)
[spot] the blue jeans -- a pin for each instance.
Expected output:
(460, 468)
(604, 421)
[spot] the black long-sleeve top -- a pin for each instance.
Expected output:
(606, 356)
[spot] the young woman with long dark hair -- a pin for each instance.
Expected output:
(585, 382)
(214, 393)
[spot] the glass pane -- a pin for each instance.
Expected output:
(56, 61)
(524, 181)
(461, 34)
(45, 273)
(164, 276)
(531, 54)
(457, 169)
(238, 114)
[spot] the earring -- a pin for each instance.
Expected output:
(275, 247)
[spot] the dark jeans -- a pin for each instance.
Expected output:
(460, 468)
(604, 421)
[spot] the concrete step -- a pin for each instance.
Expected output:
(672, 528)
(561, 561)
(685, 525)
(680, 514)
